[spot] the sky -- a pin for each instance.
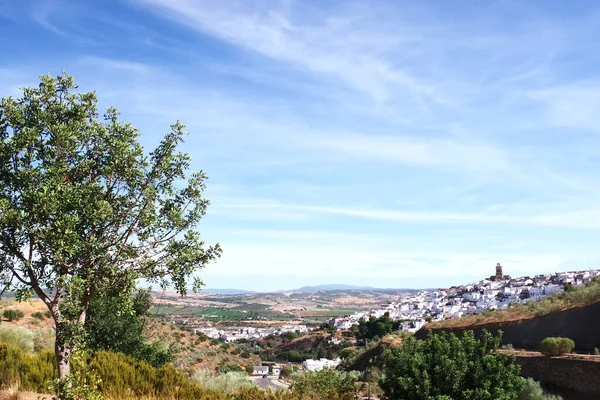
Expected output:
(384, 143)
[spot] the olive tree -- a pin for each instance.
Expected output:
(84, 208)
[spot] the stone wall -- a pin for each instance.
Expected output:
(581, 324)
(573, 379)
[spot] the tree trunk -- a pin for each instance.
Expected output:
(63, 354)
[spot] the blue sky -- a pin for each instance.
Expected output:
(393, 144)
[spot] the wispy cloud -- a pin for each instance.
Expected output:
(347, 139)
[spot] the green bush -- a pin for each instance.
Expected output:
(533, 391)
(13, 315)
(556, 346)
(447, 366)
(38, 315)
(565, 345)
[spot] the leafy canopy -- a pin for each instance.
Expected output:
(84, 209)
(446, 366)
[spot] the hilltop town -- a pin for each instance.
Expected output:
(412, 309)
(496, 292)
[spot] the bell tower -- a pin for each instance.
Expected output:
(499, 274)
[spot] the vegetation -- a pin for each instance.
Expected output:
(228, 383)
(83, 209)
(13, 315)
(19, 337)
(577, 296)
(556, 346)
(124, 333)
(446, 366)
(38, 315)
(533, 391)
(327, 383)
(374, 328)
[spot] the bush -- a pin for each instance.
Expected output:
(327, 383)
(533, 391)
(565, 345)
(556, 346)
(447, 366)
(228, 383)
(38, 315)
(18, 337)
(596, 351)
(13, 315)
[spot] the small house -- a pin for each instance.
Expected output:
(260, 370)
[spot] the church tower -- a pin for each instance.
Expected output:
(499, 274)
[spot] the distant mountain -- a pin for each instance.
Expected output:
(306, 289)
(226, 291)
(303, 289)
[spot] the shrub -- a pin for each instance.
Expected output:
(327, 383)
(228, 383)
(447, 366)
(245, 354)
(38, 315)
(13, 315)
(565, 345)
(43, 339)
(18, 337)
(556, 346)
(533, 391)
(596, 351)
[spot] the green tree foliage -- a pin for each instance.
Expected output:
(326, 383)
(84, 209)
(124, 332)
(13, 315)
(446, 366)
(374, 328)
(556, 346)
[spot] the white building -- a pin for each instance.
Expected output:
(317, 365)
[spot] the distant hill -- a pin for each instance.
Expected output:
(303, 289)
(227, 291)
(319, 288)
(329, 287)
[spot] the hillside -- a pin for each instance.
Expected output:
(572, 314)
(196, 351)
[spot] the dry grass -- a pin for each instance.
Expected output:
(15, 394)
(195, 354)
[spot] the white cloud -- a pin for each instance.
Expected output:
(574, 105)
(581, 219)
(339, 46)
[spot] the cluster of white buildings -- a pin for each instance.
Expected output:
(317, 365)
(233, 333)
(494, 293)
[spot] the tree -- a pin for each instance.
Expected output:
(83, 208)
(124, 332)
(325, 384)
(446, 366)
